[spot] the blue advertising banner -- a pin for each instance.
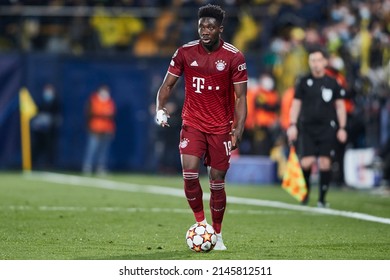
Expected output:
(133, 83)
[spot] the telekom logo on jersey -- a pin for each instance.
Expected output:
(199, 83)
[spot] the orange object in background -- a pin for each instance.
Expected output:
(293, 179)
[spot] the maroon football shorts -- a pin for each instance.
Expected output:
(214, 148)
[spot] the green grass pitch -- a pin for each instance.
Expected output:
(145, 217)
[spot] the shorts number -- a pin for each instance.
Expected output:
(228, 147)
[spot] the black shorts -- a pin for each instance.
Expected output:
(317, 140)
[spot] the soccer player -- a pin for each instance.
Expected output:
(318, 102)
(214, 111)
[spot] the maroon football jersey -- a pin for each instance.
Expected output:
(209, 78)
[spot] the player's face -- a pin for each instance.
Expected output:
(317, 64)
(209, 32)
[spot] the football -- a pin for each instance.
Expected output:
(201, 237)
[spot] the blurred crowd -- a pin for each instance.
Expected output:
(356, 35)
(139, 27)
(145, 27)
(275, 35)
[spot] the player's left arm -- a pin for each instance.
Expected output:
(239, 78)
(240, 113)
(342, 120)
(341, 112)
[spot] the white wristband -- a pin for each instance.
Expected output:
(161, 117)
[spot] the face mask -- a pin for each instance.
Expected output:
(48, 95)
(277, 46)
(365, 13)
(336, 15)
(344, 35)
(337, 63)
(350, 20)
(332, 36)
(104, 94)
(267, 83)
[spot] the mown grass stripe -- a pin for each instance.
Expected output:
(134, 210)
(101, 183)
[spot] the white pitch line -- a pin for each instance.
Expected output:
(160, 190)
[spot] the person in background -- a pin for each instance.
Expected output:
(213, 114)
(263, 105)
(101, 111)
(319, 108)
(281, 149)
(384, 153)
(45, 129)
(285, 106)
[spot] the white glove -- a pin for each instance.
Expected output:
(162, 118)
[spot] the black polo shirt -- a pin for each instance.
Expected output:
(318, 96)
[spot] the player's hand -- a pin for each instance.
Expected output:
(162, 117)
(292, 133)
(342, 135)
(235, 138)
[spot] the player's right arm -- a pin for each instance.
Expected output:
(163, 95)
(292, 131)
(295, 109)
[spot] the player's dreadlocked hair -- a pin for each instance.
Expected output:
(212, 11)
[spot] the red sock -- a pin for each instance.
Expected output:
(194, 193)
(217, 203)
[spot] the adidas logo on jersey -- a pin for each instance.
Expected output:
(194, 63)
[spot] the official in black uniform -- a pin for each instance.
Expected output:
(318, 106)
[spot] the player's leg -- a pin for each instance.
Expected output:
(217, 197)
(192, 188)
(306, 164)
(217, 203)
(327, 147)
(307, 150)
(102, 153)
(90, 153)
(217, 159)
(192, 146)
(324, 164)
